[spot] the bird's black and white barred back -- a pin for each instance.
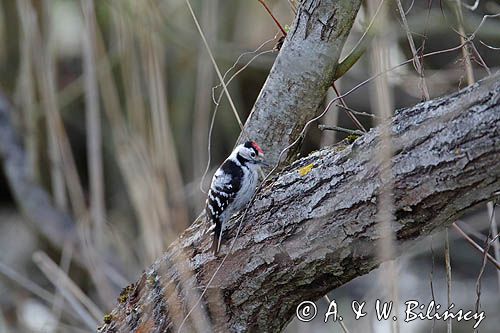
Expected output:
(233, 185)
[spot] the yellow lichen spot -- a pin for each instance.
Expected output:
(351, 138)
(108, 318)
(306, 169)
(125, 293)
(151, 281)
(122, 298)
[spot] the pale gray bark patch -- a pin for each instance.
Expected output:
(308, 234)
(301, 75)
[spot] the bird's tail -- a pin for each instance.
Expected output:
(217, 237)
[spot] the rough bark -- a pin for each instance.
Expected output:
(313, 229)
(301, 74)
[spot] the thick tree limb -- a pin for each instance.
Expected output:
(313, 229)
(301, 74)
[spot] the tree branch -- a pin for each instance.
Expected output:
(301, 75)
(309, 232)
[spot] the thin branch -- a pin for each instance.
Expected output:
(431, 280)
(480, 25)
(476, 246)
(472, 7)
(463, 39)
(348, 111)
(263, 3)
(479, 59)
(340, 129)
(217, 103)
(221, 79)
(447, 261)
(418, 63)
(359, 48)
(494, 230)
(489, 46)
(358, 113)
(483, 265)
(410, 7)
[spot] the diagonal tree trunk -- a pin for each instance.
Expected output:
(312, 228)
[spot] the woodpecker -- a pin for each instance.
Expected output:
(233, 185)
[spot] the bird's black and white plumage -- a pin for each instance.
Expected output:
(233, 185)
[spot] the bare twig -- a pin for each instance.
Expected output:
(448, 276)
(418, 63)
(202, 105)
(347, 109)
(494, 231)
(356, 112)
(483, 265)
(221, 79)
(431, 280)
(217, 102)
(359, 48)
(479, 59)
(472, 7)
(476, 246)
(465, 50)
(263, 3)
(489, 46)
(340, 129)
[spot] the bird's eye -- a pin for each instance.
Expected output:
(253, 154)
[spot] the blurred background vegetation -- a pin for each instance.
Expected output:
(114, 103)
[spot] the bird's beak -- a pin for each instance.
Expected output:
(262, 161)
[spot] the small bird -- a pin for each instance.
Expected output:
(233, 185)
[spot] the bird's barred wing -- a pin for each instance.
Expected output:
(223, 190)
(226, 185)
(219, 196)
